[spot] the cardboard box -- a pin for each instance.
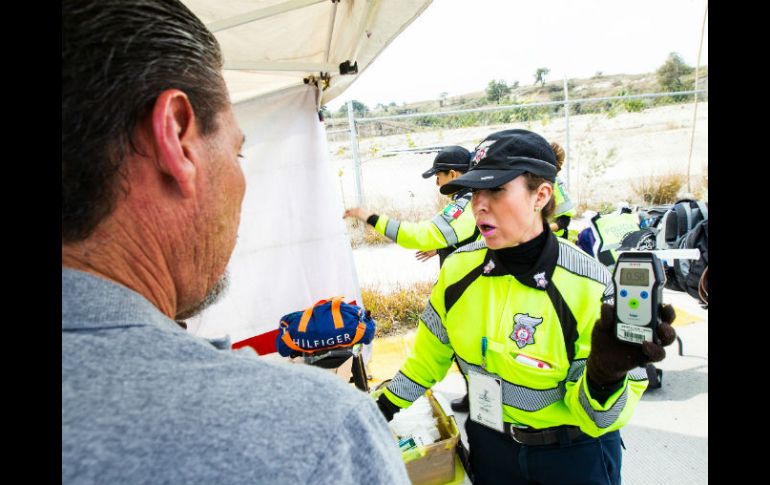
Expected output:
(434, 464)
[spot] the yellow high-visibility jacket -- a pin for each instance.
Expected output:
(547, 315)
(563, 204)
(453, 227)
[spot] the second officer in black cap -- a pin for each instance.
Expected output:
(453, 227)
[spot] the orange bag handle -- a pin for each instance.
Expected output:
(336, 315)
(360, 331)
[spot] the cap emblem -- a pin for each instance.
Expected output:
(481, 152)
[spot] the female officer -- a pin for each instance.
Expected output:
(549, 383)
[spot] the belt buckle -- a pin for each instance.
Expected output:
(512, 432)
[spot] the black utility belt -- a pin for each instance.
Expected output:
(539, 437)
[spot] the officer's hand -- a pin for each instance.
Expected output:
(357, 212)
(610, 359)
(425, 255)
(387, 408)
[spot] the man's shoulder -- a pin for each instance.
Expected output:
(225, 402)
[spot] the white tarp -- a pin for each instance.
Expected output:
(270, 45)
(292, 248)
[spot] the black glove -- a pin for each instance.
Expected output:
(610, 359)
(387, 408)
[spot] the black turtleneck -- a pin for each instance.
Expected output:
(520, 259)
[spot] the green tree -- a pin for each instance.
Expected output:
(359, 108)
(670, 75)
(540, 75)
(442, 98)
(497, 91)
(325, 113)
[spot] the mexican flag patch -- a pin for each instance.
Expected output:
(453, 211)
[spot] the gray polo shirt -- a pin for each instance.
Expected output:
(143, 401)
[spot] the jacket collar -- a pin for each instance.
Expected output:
(465, 193)
(539, 276)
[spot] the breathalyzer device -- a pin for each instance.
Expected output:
(639, 280)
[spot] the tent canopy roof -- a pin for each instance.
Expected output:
(272, 45)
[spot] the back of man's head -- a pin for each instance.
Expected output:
(117, 57)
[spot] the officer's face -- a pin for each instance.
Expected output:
(506, 215)
(443, 177)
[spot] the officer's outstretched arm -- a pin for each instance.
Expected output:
(447, 228)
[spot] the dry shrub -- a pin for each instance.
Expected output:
(701, 190)
(661, 189)
(399, 310)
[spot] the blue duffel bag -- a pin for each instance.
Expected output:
(328, 324)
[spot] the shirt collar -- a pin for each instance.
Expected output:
(539, 276)
(90, 302)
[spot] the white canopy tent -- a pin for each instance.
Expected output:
(283, 60)
(272, 45)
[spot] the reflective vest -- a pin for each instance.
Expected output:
(563, 204)
(546, 315)
(609, 230)
(453, 227)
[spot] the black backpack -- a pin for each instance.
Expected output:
(688, 272)
(677, 221)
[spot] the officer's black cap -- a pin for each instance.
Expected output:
(450, 158)
(502, 157)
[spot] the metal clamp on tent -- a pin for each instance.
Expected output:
(323, 77)
(348, 68)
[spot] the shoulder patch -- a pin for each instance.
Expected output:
(453, 210)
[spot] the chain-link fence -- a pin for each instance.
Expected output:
(624, 148)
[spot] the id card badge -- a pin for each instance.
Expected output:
(485, 396)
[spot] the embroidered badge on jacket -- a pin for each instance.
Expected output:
(524, 329)
(540, 280)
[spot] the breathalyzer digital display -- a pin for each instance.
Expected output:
(639, 280)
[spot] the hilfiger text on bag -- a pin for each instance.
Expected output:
(310, 344)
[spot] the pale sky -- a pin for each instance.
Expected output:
(458, 46)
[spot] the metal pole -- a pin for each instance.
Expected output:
(695, 110)
(566, 132)
(356, 157)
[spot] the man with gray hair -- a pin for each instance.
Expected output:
(151, 198)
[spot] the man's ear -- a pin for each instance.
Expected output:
(173, 124)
